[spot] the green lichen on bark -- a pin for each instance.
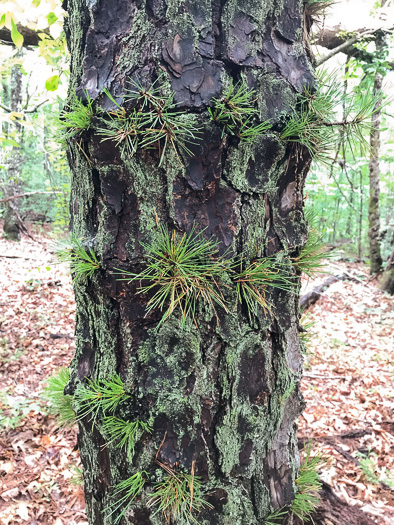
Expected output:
(222, 392)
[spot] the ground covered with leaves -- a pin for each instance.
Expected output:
(348, 386)
(38, 462)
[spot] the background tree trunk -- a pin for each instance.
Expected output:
(12, 219)
(223, 395)
(387, 282)
(375, 256)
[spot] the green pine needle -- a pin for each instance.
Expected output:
(130, 488)
(124, 129)
(315, 123)
(253, 282)
(154, 123)
(180, 270)
(124, 434)
(73, 122)
(310, 259)
(276, 515)
(178, 497)
(82, 260)
(307, 334)
(100, 397)
(235, 111)
(61, 404)
(77, 478)
(308, 486)
(311, 256)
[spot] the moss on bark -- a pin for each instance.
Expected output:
(223, 392)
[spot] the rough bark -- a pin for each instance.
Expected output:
(375, 256)
(12, 220)
(223, 394)
(387, 282)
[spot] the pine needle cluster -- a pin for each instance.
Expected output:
(124, 434)
(253, 282)
(306, 332)
(60, 403)
(100, 397)
(178, 497)
(154, 122)
(316, 9)
(180, 269)
(235, 111)
(82, 260)
(77, 477)
(125, 493)
(315, 124)
(311, 256)
(73, 122)
(308, 486)
(273, 518)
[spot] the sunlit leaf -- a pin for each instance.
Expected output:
(17, 38)
(8, 142)
(52, 83)
(51, 18)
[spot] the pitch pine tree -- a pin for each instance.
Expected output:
(218, 388)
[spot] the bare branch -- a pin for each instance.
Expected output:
(30, 36)
(342, 48)
(28, 194)
(334, 38)
(33, 110)
(6, 108)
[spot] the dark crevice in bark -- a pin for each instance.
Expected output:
(215, 388)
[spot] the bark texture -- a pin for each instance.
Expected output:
(387, 282)
(12, 219)
(223, 394)
(375, 256)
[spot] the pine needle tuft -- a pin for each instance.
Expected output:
(180, 269)
(60, 403)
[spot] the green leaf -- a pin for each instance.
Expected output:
(17, 38)
(36, 3)
(9, 142)
(51, 18)
(52, 83)
(2, 20)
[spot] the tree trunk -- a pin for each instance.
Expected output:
(223, 394)
(12, 219)
(374, 171)
(387, 282)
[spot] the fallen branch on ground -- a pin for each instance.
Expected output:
(314, 295)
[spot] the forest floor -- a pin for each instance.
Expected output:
(348, 387)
